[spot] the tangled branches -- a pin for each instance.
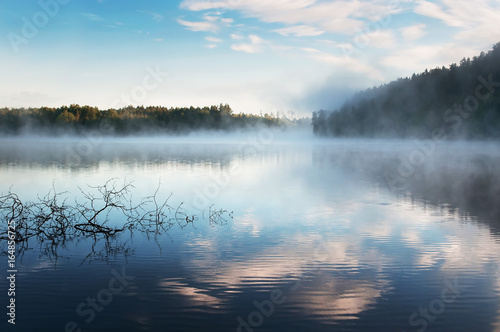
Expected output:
(101, 213)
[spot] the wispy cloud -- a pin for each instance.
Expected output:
(413, 32)
(300, 31)
(306, 18)
(361, 36)
(333, 16)
(256, 45)
(93, 17)
(420, 57)
(434, 10)
(255, 39)
(213, 39)
(477, 21)
(381, 39)
(202, 5)
(343, 62)
(154, 16)
(212, 22)
(199, 25)
(210, 18)
(236, 36)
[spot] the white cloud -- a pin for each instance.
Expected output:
(300, 31)
(343, 62)
(246, 48)
(211, 46)
(236, 36)
(255, 46)
(477, 21)
(213, 39)
(413, 32)
(202, 5)
(381, 39)
(434, 10)
(211, 18)
(256, 40)
(199, 26)
(418, 58)
(336, 44)
(342, 16)
(212, 22)
(363, 37)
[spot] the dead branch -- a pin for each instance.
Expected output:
(53, 222)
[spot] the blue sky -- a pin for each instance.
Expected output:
(256, 55)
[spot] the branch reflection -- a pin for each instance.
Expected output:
(100, 214)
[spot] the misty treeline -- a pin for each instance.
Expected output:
(462, 101)
(127, 120)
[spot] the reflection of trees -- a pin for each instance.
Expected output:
(459, 180)
(53, 222)
(470, 184)
(84, 154)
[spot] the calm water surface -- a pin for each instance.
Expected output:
(314, 236)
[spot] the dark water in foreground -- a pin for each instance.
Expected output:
(312, 238)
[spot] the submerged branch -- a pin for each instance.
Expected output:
(54, 222)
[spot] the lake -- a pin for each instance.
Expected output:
(263, 231)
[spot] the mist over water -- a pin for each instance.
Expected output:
(323, 234)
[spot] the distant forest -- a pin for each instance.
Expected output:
(128, 120)
(462, 101)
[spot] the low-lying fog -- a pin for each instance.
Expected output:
(462, 174)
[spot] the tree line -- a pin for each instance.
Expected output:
(462, 100)
(127, 120)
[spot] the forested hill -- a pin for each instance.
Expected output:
(463, 100)
(128, 120)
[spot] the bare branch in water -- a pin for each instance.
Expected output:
(53, 222)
